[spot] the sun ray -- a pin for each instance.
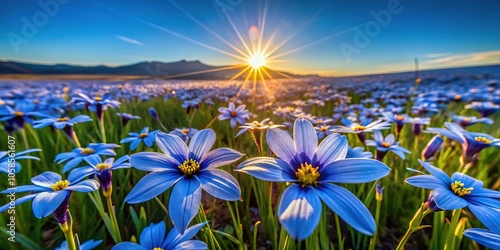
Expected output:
(249, 51)
(240, 73)
(262, 26)
(207, 71)
(280, 73)
(268, 91)
(245, 81)
(209, 30)
(310, 44)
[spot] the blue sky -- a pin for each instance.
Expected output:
(441, 33)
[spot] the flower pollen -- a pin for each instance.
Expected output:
(358, 128)
(233, 114)
(307, 174)
(482, 139)
(458, 188)
(60, 185)
(97, 98)
(87, 151)
(102, 166)
(400, 117)
(189, 167)
(64, 119)
(143, 135)
(18, 113)
(386, 144)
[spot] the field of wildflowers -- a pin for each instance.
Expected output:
(356, 163)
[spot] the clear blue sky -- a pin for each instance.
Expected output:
(441, 33)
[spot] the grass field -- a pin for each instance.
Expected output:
(252, 222)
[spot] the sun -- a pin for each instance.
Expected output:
(257, 60)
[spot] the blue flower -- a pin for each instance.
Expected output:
(153, 237)
(190, 168)
(50, 194)
(76, 156)
(127, 117)
(235, 115)
(484, 108)
(20, 114)
(484, 237)
(66, 124)
(360, 128)
(417, 123)
(399, 120)
(465, 121)
(460, 191)
(88, 245)
(310, 169)
(184, 133)
(144, 136)
(101, 169)
(153, 113)
(385, 145)
(432, 147)
(6, 161)
(97, 104)
(472, 143)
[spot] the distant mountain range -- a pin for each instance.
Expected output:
(172, 70)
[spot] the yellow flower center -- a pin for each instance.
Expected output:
(98, 98)
(35, 101)
(386, 144)
(65, 119)
(121, 86)
(60, 185)
(323, 129)
(185, 131)
(307, 174)
(143, 135)
(400, 117)
(87, 151)
(458, 188)
(189, 167)
(358, 128)
(467, 119)
(2, 103)
(482, 139)
(18, 114)
(458, 97)
(102, 166)
(66, 90)
(233, 114)
(157, 248)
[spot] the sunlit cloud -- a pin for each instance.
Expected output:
(437, 55)
(129, 40)
(484, 57)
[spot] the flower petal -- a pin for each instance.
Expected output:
(172, 145)
(219, 157)
(184, 203)
(128, 246)
(153, 235)
(152, 161)
(299, 211)
(484, 237)
(466, 180)
(353, 171)
(44, 204)
(268, 169)
(348, 207)
(305, 139)
(490, 217)
(174, 238)
(219, 184)
(281, 144)
(438, 173)
(447, 200)
(78, 174)
(18, 201)
(191, 245)
(425, 181)
(333, 147)
(46, 179)
(201, 143)
(152, 185)
(85, 186)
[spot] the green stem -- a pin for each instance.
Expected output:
(103, 130)
(67, 229)
(75, 139)
(339, 232)
(451, 232)
(377, 218)
(213, 240)
(255, 230)
(165, 210)
(112, 215)
(414, 224)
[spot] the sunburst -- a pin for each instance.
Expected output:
(256, 53)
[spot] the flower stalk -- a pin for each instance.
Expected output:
(414, 224)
